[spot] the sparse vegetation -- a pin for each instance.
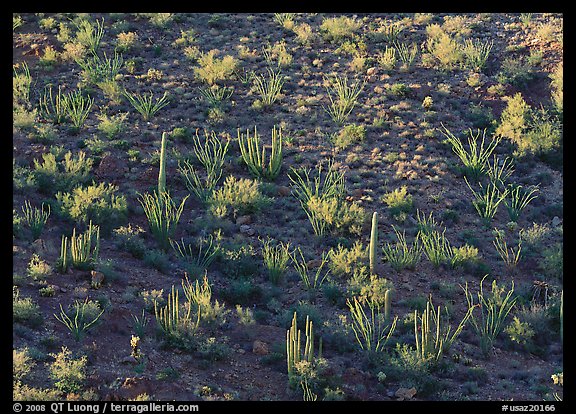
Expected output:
(154, 262)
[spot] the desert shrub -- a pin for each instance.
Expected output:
(24, 310)
(23, 392)
(21, 84)
(145, 104)
(63, 175)
(552, 262)
(241, 195)
(475, 54)
(112, 126)
(322, 200)
(239, 262)
(343, 97)
(38, 269)
(128, 238)
(516, 72)
(519, 332)
(126, 41)
(398, 201)
(557, 86)
(22, 364)
(157, 259)
(464, 256)
(544, 134)
(96, 69)
(343, 261)
(23, 119)
(98, 203)
(304, 34)
(68, 373)
(405, 366)
(242, 292)
(277, 53)
(34, 218)
(445, 49)
(212, 69)
(348, 135)
(493, 308)
(387, 58)
(199, 254)
(338, 29)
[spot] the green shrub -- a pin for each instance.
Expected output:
(322, 201)
(557, 86)
(241, 195)
(112, 126)
(517, 72)
(552, 262)
(38, 269)
(445, 50)
(348, 135)
(514, 118)
(128, 238)
(519, 332)
(145, 103)
(268, 87)
(22, 392)
(24, 310)
(22, 364)
(343, 97)
(493, 308)
(239, 262)
(344, 261)
(255, 156)
(544, 134)
(338, 29)
(98, 203)
(398, 201)
(21, 83)
(68, 373)
(34, 218)
(63, 175)
(212, 69)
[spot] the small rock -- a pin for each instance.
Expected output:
(283, 191)
(556, 221)
(129, 360)
(371, 71)
(243, 220)
(38, 246)
(260, 348)
(405, 393)
(314, 263)
(357, 193)
(244, 228)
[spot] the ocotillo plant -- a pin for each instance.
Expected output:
(373, 242)
(255, 158)
(162, 172)
(436, 337)
(293, 347)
